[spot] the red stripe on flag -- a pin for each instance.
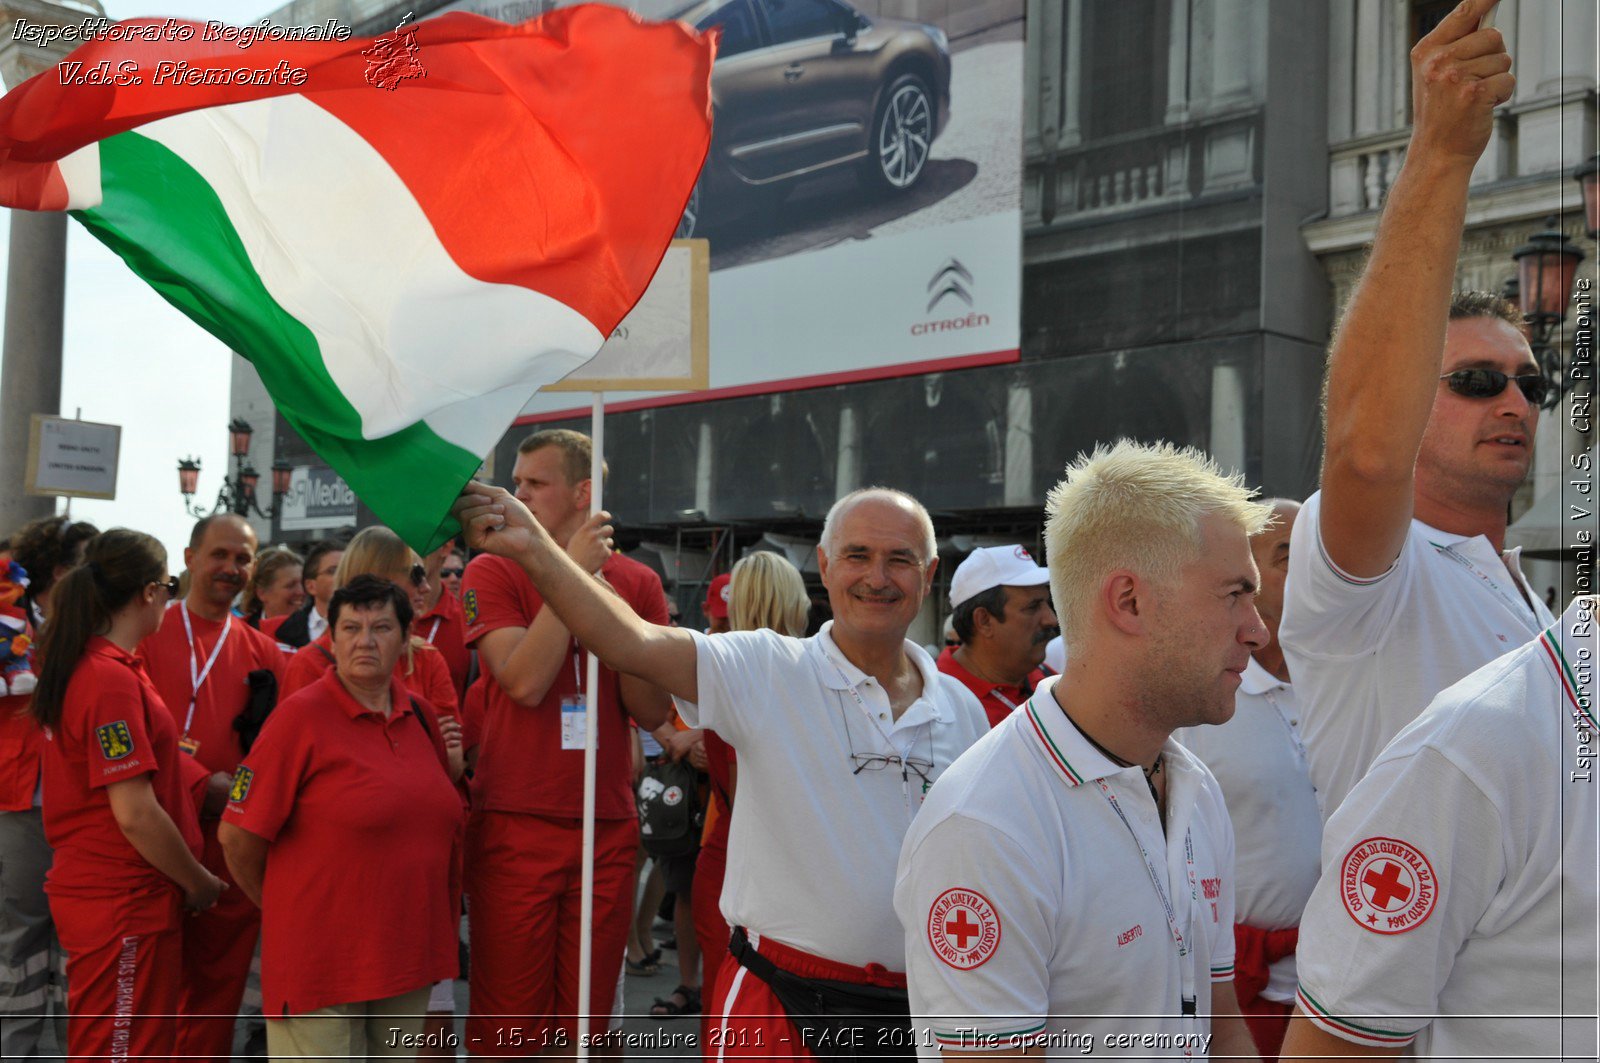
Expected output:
(555, 154)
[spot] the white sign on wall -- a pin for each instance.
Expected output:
(75, 458)
(318, 500)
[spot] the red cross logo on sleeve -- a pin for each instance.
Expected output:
(1387, 885)
(963, 928)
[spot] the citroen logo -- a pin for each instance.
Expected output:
(952, 279)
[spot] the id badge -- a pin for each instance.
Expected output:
(574, 722)
(189, 745)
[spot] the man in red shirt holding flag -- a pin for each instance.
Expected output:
(524, 838)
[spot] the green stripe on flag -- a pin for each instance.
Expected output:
(167, 223)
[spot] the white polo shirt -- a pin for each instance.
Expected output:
(813, 842)
(1031, 913)
(1368, 655)
(1461, 871)
(1259, 761)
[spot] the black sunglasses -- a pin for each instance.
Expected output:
(1487, 383)
(419, 575)
(451, 573)
(170, 583)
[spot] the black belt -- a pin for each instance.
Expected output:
(841, 1020)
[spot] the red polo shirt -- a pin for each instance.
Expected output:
(428, 679)
(521, 765)
(997, 698)
(113, 727)
(21, 743)
(363, 823)
(223, 691)
(444, 628)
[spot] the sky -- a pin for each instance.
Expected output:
(131, 359)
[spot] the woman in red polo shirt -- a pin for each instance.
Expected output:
(117, 806)
(343, 824)
(377, 551)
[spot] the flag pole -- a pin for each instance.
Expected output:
(591, 729)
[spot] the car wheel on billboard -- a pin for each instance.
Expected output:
(690, 223)
(902, 134)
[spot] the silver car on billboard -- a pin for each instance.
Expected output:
(804, 86)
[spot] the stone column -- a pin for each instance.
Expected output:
(1228, 412)
(847, 472)
(703, 469)
(1178, 63)
(1018, 489)
(30, 364)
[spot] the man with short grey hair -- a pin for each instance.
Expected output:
(839, 737)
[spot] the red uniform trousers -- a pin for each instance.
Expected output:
(124, 978)
(748, 1020)
(218, 945)
(1255, 951)
(524, 884)
(710, 929)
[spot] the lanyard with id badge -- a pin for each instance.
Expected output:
(574, 710)
(198, 675)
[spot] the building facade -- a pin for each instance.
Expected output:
(1198, 189)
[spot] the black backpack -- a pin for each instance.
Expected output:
(669, 814)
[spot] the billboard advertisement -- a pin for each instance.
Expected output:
(861, 199)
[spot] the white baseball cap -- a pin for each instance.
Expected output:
(995, 566)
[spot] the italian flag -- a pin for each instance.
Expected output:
(409, 240)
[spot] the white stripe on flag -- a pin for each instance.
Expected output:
(404, 333)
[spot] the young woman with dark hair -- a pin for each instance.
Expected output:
(117, 803)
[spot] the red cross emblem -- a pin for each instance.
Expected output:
(1387, 885)
(963, 928)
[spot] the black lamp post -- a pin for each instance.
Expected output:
(1546, 267)
(238, 493)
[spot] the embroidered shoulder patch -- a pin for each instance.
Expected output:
(241, 784)
(469, 605)
(1387, 885)
(115, 740)
(963, 928)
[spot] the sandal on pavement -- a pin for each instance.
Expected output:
(670, 1008)
(643, 968)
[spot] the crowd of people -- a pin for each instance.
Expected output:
(1306, 780)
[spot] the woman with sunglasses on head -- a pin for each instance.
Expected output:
(422, 668)
(118, 803)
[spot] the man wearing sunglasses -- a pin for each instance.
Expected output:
(839, 737)
(200, 661)
(1402, 586)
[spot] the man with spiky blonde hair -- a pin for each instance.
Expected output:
(1069, 881)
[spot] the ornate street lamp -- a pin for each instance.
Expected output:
(1588, 175)
(238, 493)
(1546, 267)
